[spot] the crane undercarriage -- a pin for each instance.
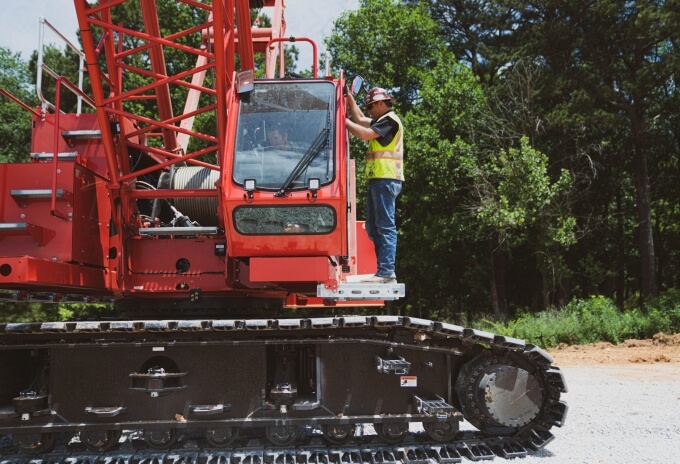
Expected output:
(210, 390)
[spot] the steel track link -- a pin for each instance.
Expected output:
(411, 451)
(458, 340)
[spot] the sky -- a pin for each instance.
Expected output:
(19, 23)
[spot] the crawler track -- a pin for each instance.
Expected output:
(88, 376)
(412, 450)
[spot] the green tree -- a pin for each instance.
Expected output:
(480, 33)
(391, 44)
(623, 60)
(516, 203)
(476, 193)
(396, 46)
(436, 238)
(609, 71)
(15, 122)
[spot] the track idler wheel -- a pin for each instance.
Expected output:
(499, 396)
(391, 432)
(338, 434)
(221, 437)
(100, 440)
(282, 435)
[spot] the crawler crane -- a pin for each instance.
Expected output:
(162, 197)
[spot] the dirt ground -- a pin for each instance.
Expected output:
(660, 349)
(654, 359)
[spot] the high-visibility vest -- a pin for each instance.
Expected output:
(386, 162)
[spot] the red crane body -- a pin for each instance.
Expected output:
(119, 169)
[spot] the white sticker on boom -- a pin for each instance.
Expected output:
(409, 381)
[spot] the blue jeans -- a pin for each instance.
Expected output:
(380, 223)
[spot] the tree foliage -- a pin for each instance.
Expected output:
(14, 121)
(549, 186)
(390, 44)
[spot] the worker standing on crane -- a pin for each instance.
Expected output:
(385, 173)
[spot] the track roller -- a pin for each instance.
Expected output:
(161, 439)
(338, 434)
(100, 440)
(282, 435)
(35, 443)
(221, 437)
(441, 431)
(392, 432)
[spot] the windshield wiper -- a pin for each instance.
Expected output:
(320, 141)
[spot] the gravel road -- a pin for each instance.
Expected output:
(617, 414)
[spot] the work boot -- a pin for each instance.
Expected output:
(376, 279)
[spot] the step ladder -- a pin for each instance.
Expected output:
(71, 135)
(21, 196)
(21, 228)
(44, 156)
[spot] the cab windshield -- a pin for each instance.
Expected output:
(282, 124)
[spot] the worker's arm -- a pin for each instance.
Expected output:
(359, 126)
(357, 115)
(364, 133)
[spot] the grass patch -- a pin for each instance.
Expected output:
(592, 320)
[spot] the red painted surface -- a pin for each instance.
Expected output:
(302, 269)
(87, 239)
(366, 259)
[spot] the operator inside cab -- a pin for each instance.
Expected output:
(277, 137)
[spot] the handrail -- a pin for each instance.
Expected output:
(20, 103)
(42, 66)
(315, 62)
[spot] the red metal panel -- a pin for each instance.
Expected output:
(54, 238)
(286, 244)
(152, 265)
(300, 269)
(296, 300)
(169, 285)
(91, 215)
(82, 236)
(366, 259)
(46, 275)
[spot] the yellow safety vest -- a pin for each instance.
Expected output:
(386, 162)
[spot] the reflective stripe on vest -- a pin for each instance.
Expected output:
(386, 162)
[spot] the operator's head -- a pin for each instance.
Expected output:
(277, 136)
(378, 101)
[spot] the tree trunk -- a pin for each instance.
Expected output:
(498, 294)
(644, 210)
(621, 257)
